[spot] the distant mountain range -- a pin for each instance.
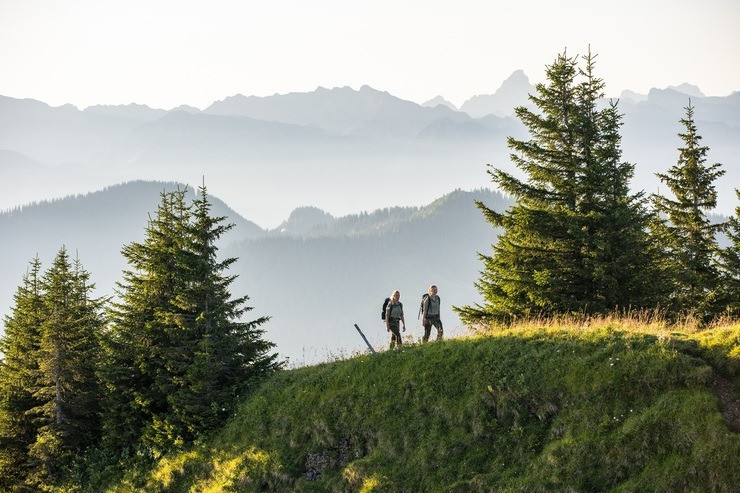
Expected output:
(339, 149)
(315, 274)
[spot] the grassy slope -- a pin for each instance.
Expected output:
(527, 409)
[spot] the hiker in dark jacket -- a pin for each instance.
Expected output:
(394, 314)
(430, 314)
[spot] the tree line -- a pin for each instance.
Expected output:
(578, 242)
(84, 377)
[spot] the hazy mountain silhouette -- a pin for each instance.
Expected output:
(15, 162)
(513, 92)
(181, 138)
(437, 100)
(304, 220)
(58, 135)
(340, 149)
(633, 96)
(186, 109)
(134, 111)
(688, 89)
(341, 110)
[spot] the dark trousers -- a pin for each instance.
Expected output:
(395, 333)
(428, 328)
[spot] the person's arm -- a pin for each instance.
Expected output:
(403, 321)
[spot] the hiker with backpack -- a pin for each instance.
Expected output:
(429, 311)
(393, 314)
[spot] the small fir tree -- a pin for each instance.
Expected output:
(686, 234)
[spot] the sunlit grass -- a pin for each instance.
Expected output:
(620, 403)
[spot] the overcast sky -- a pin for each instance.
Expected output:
(167, 53)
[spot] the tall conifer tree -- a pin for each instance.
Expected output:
(50, 412)
(179, 356)
(19, 374)
(622, 261)
(69, 354)
(687, 235)
(139, 346)
(730, 264)
(228, 355)
(575, 241)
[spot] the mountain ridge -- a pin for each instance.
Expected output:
(342, 133)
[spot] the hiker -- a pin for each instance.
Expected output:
(430, 305)
(394, 313)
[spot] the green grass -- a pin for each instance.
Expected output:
(543, 406)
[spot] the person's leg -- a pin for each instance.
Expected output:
(427, 331)
(395, 334)
(440, 330)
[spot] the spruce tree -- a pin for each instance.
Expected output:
(139, 364)
(49, 405)
(178, 355)
(730, 264)
(19, 374)
(575, 241)
(68, 356)
(622, 262)
(687, 235)
(229, 355)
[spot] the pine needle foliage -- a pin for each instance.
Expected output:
(50, 402)
(178, 355)
(19, 375)
(730, 264)
(687, 235)
(576, 240)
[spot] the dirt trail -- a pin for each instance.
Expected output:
(729, 404)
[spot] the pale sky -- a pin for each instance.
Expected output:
(167, 53)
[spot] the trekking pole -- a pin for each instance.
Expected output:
(365, 339)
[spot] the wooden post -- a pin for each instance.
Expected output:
(365, 339)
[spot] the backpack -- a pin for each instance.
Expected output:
(421, 305)
(385, 305)
(424, 298)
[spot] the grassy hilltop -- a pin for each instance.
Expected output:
(609, 405)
